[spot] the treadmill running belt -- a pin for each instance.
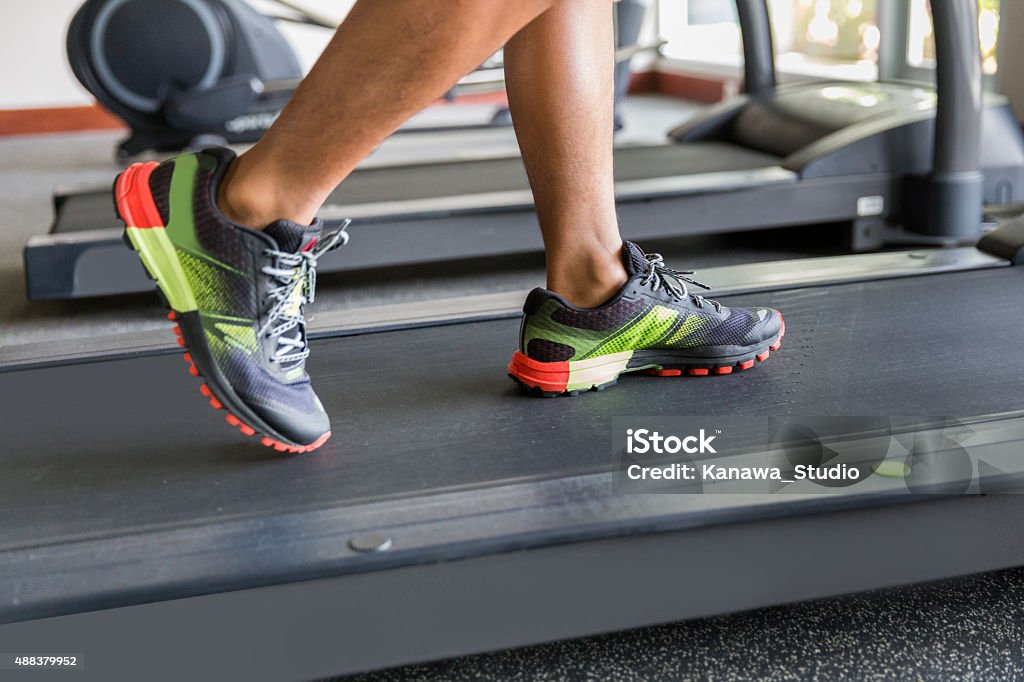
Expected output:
(94, 210)
(112, 447)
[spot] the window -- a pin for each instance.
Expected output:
(822, 38)
(825, 38)
(701, 31)
(921, 40)
(837, 31)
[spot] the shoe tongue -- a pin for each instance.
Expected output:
(292, 237)
(635, 259)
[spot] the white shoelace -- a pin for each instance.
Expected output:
(295, 275)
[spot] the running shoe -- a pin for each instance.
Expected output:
(235, 293)
(653, 324)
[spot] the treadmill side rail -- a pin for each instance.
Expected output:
(347, 624)
(167, 563)
(733, 279)
(1006, 241)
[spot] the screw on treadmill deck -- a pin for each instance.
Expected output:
(371, 542)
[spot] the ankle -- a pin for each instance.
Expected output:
(589, 280)
(251, 199)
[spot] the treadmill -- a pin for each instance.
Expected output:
(450, 514)
(839, 153)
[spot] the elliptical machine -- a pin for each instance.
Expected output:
(181, 72)
(189, 73)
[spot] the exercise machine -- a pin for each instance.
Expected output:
(854, 155)
(189, 73)
(181, 72)
(447, 516)
(447, 509)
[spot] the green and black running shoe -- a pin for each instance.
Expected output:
(235, 293)
(654, 324)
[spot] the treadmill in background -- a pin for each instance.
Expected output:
(857, 155)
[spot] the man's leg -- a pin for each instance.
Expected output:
(237, 294)
(560, 78)
(560, 83)
(388, 60)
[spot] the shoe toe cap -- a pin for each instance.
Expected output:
(290, 411)
(768, 326)
(300, 427)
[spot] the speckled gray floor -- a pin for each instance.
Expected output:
(964, 629)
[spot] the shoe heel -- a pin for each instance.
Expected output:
(144, 229)
(568, 377)
(547, 377)
(134, 201)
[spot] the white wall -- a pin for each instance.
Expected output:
(307, 41)
(35, 73)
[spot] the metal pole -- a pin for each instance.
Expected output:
(956, 184)
(758, 49)
(893, 25)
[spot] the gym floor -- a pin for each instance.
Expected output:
(962, 629)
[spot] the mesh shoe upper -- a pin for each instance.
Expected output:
(226, 266)
(655, 309)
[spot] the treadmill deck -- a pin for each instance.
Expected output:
(108, 448)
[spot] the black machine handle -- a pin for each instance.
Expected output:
(758, 46)
(956, 183)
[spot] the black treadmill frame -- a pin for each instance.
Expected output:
(347, 624)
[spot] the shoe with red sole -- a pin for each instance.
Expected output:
(236, 295)
(654, 324)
